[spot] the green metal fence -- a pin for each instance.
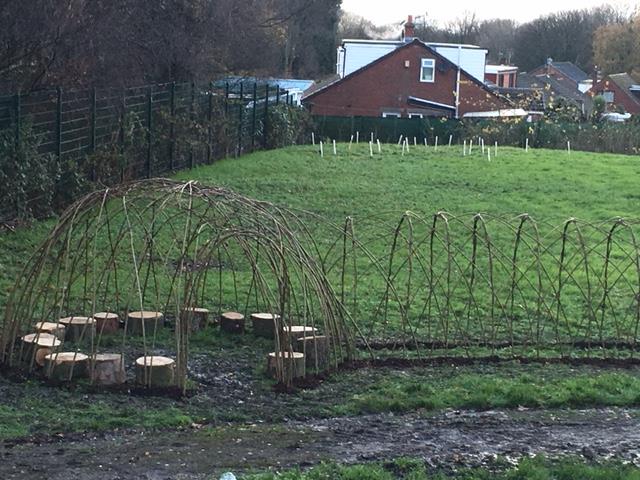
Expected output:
(156, 128)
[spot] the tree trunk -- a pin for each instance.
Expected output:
(36, 346)
(65, 366)
(293, 332)
(55, 329)
(79, 328)
(154, 371)
(146, 323)
(316, 352)
(107, 322)
(107, 369)
(232, 322)
(284, 366)
(198, 318)
(264, 324)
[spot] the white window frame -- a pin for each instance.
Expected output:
(416, 115)
(391, 115)
(431, 63)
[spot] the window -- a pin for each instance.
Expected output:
(415, 115)
(608, 97)
(391, 115)
(428, 70)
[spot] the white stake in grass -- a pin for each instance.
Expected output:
(371, 137)
(415, 142)
(403, 144)
(526, 145)
(435, 145)
(321, 150)
(335, 152)
(482, 144)
(489, 154)
(470, 146)
(400, 140)
(495, 149)
(450, 139)
(313, 138)
(464, 148)
(379, 147)
(357, 137)
(569, 147)
(406, 141)
(371, 149)
(350, 142)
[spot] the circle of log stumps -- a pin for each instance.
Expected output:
(36, 346)
(316, 351)
(64, 366)
(55, 329)
(155, 371)
(107, 369)
(292, 363)
(106, 322)
(79, 328)
(264, 324)
(232, 322)
(198, 318)
(144, 322)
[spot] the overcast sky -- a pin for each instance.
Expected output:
(384, 11)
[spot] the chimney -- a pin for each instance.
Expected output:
(594, 76)
(408, 33)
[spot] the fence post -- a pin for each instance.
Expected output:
(192, 119)
(59, 123)
(17, 107)
(241, 109)
(253, 121)
(278, 94)
(149, 133)
(209, 129)
(266, 116)
(172, 129)
(92, 146)
(123, 108)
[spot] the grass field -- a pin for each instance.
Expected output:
(549, 185)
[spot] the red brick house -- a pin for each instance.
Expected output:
(411, 81)
(620, 91)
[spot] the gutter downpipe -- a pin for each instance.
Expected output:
(458, 83)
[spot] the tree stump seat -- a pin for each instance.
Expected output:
(144, 323)
(65, 366)
(155, 371)
(198, 318)
(316, 351)
(291, 364)
(36, 346)
(52, 328)
(107, 322)
(79, 328)
(232, 322)
(264, 324)
(107, 369)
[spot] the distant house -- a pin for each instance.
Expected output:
(501, 75)
(620, 91)
(353, 54)
(412, 80)
(564, 72)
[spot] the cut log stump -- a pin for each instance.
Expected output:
(106, 322)
(232, 322)
(290, 363)
(55, 329)
(292, 333)
(147, 322)
(264, 324)
(155, 371)
(198, 318)
(107, 369)
(79, 328)
(316, 351)
(65, 366)
(36, 346)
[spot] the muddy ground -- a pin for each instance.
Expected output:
(448, 440)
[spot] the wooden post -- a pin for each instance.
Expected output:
(36, 346)
(107, 369)
(289, 364)
(197, 318)
(79, 328)
(264, 324)
(155, 371)
(316, 351)
(144, 322)
(232, 322)
(55, 329)
(106, 322)
(65, 366)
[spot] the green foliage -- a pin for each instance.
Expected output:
(28, 178)
(287, 125)
(599, 106)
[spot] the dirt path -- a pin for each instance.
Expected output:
(444, 440)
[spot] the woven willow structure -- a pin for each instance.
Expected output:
(163, 246)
